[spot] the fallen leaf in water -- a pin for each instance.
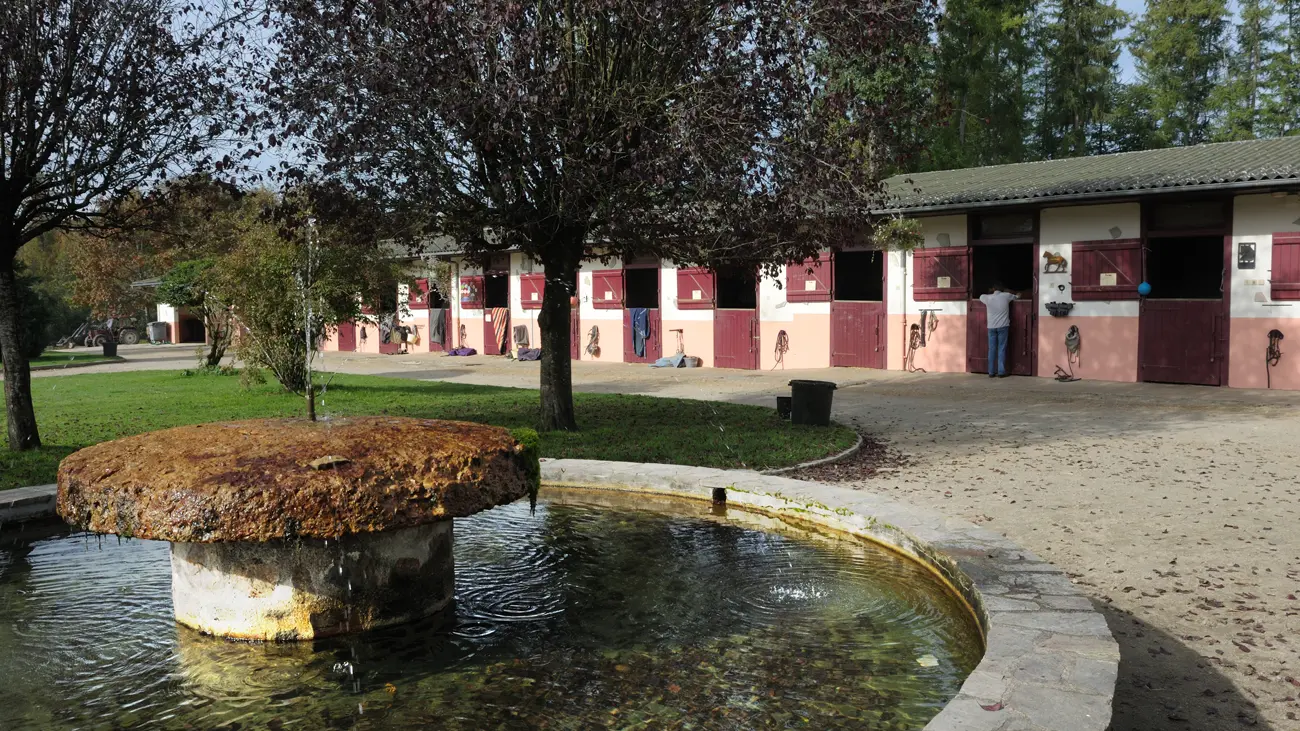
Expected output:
(622, 668)
(993, 707)
(927, 661)
(674, 688)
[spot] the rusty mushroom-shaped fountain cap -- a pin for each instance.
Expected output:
(271, 479)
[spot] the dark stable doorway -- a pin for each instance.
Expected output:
(496, 291)
(641, 288)
(859, 276)
(1185, 268)
(858, 326)
(1012, 265)
(436, 300)
(737, 289)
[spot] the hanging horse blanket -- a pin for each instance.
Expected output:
(640, 330)
(500, 326)
(438, 326)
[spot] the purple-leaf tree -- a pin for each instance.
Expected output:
(97, 98)
(747, 133)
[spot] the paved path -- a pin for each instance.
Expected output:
(1175, 508)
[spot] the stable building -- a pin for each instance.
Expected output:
(1179, 265)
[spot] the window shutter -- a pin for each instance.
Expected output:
(418, 298)
(1106, 270)
(808, 281)
(941, 274)
(694, 289)
(471, 293)
(607, 289)
(531, 289)
(1285, 278)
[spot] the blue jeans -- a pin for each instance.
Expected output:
(998, 350)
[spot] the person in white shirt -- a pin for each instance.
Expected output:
(998, 303)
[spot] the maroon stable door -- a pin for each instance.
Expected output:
(347, 337)
(653, 343)
(735, 339)
(1183, 341)
(1021, 344)
(858, 334)
(494, 319)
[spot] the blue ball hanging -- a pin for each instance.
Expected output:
(1144, 289)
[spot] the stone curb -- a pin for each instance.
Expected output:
(1050, 662)
(27, 503)
(824, 460)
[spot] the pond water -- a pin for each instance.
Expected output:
(597, 611)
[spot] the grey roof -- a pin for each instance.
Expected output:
(1271, 163)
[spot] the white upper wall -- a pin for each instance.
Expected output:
(1058, 228)
(1255, 218)
(899, 297)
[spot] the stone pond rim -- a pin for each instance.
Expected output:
(269, 479)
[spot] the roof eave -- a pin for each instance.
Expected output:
(1092, 197)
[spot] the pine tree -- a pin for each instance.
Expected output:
(1180, 47)
(1281, 107)
(984, 61)
(1080, 49)
(1240, 99)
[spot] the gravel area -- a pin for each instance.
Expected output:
(1176, 517)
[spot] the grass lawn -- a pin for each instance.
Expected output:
(70, 357)
(76, 411)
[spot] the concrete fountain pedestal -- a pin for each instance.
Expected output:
(293, 530)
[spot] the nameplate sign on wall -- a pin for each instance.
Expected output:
(1109, 279)
(697, 294)
(943, 282)
(810, 285)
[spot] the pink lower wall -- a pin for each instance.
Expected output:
(473, 322)
(1108, 351)
(611, 340)
(697, 336)
(1247, 341)
(945, 350)
(810, 342)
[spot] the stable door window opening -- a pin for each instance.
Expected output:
(641, 288)
(1011, 265)
(1185, 268)
(737, 289)
(859, 276)
(496, 291)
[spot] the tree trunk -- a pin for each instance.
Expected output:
(557, 366)
(20, 416)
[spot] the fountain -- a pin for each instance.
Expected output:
(295, 530)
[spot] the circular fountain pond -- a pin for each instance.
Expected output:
(599, 610)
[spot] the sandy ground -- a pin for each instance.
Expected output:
(1175, 508)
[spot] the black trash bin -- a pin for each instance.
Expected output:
(811, 402)
(110, 348)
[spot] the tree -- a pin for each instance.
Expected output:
(1080, 48)
(188, 284)
(1239, 100)
(300, 265)
(96, 99)
(984, 60)
(696, 131)
(1180, 47)
(1281, 107)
